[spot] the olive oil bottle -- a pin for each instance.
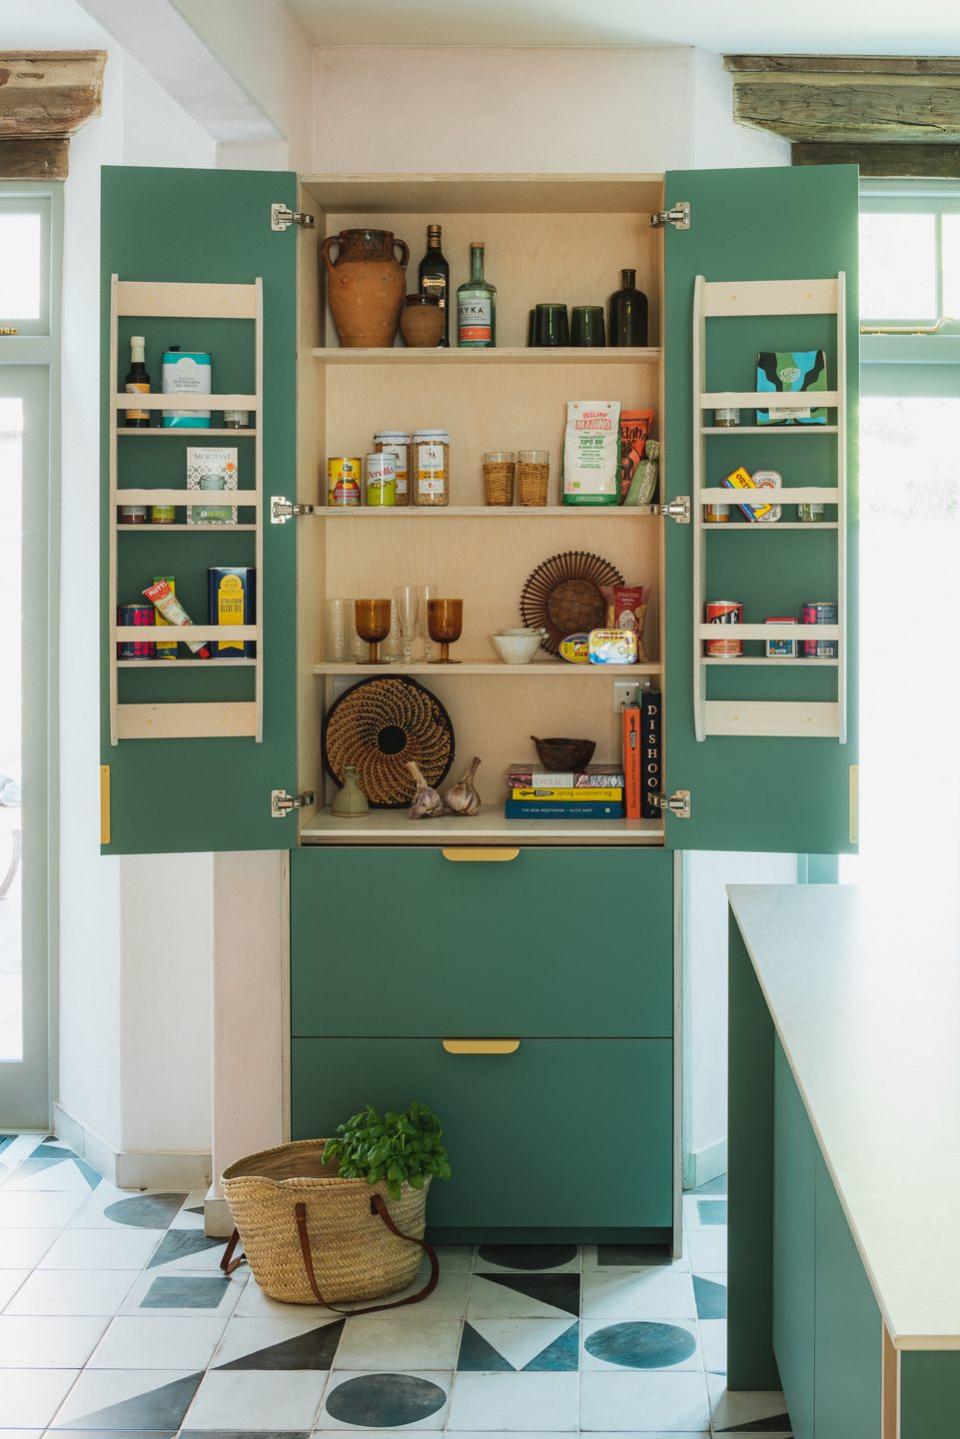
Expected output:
(137, 382)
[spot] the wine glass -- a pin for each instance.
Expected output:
(372, 619)
(407, 604)
(445, 623)
(426, 594)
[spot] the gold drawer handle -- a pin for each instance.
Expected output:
(495, 854)
(481, 1046)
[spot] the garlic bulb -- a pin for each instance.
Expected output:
(426, 802)
(464, 797)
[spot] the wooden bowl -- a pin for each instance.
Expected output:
(563, 755)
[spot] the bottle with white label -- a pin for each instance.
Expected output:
(476, 306)
(430, 467)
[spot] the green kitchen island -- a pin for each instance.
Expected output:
(844, 1162)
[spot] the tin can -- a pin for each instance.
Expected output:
(716, 514)
(186, 372)
(724, 612)
(162, 514)
(136, 649)
(232, 601)
(811, 514)
(781, 649)
(397, 444)
(726, 419)
(819, 612)
(381, 480)
(344, 473)
(769, 480)
(133, 514)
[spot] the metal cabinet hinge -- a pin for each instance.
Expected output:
(678, 216)
(677, 804)
(282, 217)
(282, 509)
(281, 803)
(678, 509)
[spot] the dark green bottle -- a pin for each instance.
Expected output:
(628, 313)
(435, 277)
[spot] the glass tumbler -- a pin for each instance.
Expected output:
(338, 645)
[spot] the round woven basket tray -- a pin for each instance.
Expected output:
(378, 725)
(562, 596)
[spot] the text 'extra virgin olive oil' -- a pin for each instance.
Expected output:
(137, 382)
(435, 277)
(476, 306)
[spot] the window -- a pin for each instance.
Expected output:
(25, 274)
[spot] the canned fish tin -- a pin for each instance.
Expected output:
(819, 612)
(724, 612)
(716, 514)
(781, 649)
(343, 481)
(397, 444)
(381, 480)
(769, 480)
(136, 649)
(811, 513)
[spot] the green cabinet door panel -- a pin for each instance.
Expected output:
(788, 794)
(564, 1133)
(555, 942)
(794, 1240)
(848, 1329)
(929, 1394)
(211, 226)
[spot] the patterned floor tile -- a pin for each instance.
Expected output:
(184, 1294)
(53, 1166)
(29, 1398)
(110, 1208)
(710, 1291)
(523, 1296)
(139, 1341)
(449, 1297)
(707, 1249)
(511, 1345)
(639, 1294)
(737, 1412)
(713, 1344)
(257, 1400)
(629, 1256)
(47, 1341)
(152, 1400)
(516, 1402)
(22, 1210)
(283, 1342)
(254, 1304)
(72, 1291)
(11, 1281)
(101, 1249)
(555, 1258)
(454, 1258)
(23, 1248)
(423, 1341)
(638, 1401)
(386, 1401)
(713, 1186)
(641, 1344)
(187, 1251)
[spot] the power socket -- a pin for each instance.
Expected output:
(624, 695)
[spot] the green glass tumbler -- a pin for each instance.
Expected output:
(551, 326)
(588, 328)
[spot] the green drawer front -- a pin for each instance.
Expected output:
(554, 942)
(568, 1132)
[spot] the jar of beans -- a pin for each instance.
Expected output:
(430, 467)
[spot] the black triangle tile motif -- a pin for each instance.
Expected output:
(478, 1356)
(562, 1291)
(313, 1350)
(178, 1243)
(560, 1357)
(775, 1424)
(157, 1410)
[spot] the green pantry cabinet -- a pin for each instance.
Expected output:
(518, 976)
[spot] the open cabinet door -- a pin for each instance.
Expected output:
(192, 748)
(765, 745)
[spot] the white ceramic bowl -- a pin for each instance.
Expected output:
(517, 649)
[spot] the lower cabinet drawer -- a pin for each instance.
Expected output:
(563, 1133)
(552, 942)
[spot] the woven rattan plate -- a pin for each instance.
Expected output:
(380, 724)
(563, 597)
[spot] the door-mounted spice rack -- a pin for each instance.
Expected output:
(185, 719)
(800, 718)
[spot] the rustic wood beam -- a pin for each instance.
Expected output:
(45, 95)
(834, 99)
(40, 158)
(904, 161)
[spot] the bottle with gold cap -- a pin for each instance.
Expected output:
(435, 278)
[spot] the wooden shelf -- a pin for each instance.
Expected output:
(154, 401)
(780, 495)
(768, 632)
(178, 720)
(149, 529)
(490, 512)
(796, 719)
(471, 194)
(801, 661)
(181, 664)
(244, 498)
(750, 527)
(537, 669)
(179, 431)
(757, 400)
(490, 826)
(768, 429)
(187, 634)
(504, 355)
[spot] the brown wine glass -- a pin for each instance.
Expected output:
(372, 619)
(445, 624)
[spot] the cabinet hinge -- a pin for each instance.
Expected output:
(678, 509)
(282, 217)
(281, 803)
(282, 509)
(678, 216)
(677, 804)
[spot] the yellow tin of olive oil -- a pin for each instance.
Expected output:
(232, 591)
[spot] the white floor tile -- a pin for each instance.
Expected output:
(257, 1399)
(98, 1389)
(72, 1291)
(713, 1342)
(101, 1249)
(454, 1257)
(641, 1402)
(47, 1342)
(244, 1336)
(708, 1249)
(489, 1300)
(449, 1297)
(382, 1397)
(182, 1295)
(638, 1294)
(645, 1340)
(11, 1280)
(30, 1397)
(23, 1248)
(136, 1341)
(254, 1304)
(515, 1402)
(53, 1178)
(423, 1341)
(19, 1209)
(733, 1409)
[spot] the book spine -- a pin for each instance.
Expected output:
(651, 747)
(536, 779)
(631, 760)
(578, 796)
(524, 809)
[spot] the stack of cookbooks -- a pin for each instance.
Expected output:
(592, 793)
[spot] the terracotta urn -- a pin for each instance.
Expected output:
(366, 285)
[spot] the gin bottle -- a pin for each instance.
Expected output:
(476, 306)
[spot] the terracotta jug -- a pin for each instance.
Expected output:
(366, 286)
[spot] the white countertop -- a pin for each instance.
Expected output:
(864, 989)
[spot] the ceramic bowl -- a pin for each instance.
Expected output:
(563, 756)
(524, 630)
(517, 649)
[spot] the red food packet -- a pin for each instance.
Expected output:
(627, 610)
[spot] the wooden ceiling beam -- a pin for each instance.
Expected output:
(45, 95)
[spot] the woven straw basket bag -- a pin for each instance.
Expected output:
(311, 1237)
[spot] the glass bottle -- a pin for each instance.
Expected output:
(476, 306)
(435, 277)
(137, 382)
(628, 313)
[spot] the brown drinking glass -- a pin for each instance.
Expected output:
(372, 619)
(445, 623)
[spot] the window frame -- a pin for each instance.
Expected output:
(903, 342)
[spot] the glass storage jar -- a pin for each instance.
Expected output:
(430, 467)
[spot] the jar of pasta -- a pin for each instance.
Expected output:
(396, 443)
(430, 467)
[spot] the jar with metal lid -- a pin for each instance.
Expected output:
(430, 467)
(397, 444)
